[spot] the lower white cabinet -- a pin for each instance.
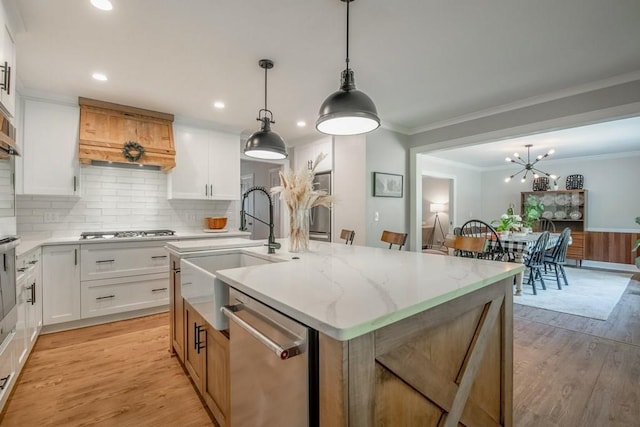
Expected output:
(60, 283)
(29, 304)
(7, 369)
(110, 296)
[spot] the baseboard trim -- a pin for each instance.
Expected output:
(59, 327)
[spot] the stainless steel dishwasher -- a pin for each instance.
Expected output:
(274, 374)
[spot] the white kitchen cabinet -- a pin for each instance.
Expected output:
(50, 149)
(306, 153)
(207, 165)
(7, 65)
(113, 260)
(29, 296)
(7, 369)
(60, 284)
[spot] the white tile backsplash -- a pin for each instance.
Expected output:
(117, 199)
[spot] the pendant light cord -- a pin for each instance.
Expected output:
(265, 88)
(347, 59)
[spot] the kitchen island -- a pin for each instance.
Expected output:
(403, 338)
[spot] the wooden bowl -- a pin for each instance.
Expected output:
(216, 223)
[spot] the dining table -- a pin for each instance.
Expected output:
(517, 246)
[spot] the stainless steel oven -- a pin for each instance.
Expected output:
(8, 309)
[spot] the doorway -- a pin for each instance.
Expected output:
(437, 209)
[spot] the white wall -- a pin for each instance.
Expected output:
(467, 187)
(349, 187)
(613, 200)
(117, 199)
(386, 152)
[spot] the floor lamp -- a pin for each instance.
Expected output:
(435, 208)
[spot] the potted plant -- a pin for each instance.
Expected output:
(507, 223)
(637, 245)
(533, 209)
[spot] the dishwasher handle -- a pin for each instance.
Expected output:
(283, 352)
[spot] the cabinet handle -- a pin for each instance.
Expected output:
(75, 257)
(5, 70)
(102, 261)
(211, 190)
(206, 190)
(35, 261)
(197, 344)
(185, 283)
(159, 289)
(105, 297)
(4, 381)
(4, 261)
(158, 256)
(8, 80)
(33, 293)
(75, 183)
(22, 269)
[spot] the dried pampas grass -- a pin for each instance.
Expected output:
(296, 188)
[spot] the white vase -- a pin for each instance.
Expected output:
(504, 234)
(299, 231)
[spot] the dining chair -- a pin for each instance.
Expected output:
(557, 256)
(393, 238)
(544, 224)
(478, 228)
(534, 261)
(348, 236)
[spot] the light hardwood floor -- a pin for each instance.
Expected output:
(117, 374)
(569, 371)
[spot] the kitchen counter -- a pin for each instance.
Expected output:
(345, 291)
(398, 332)
(27, 245)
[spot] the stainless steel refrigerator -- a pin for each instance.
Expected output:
(320, 216)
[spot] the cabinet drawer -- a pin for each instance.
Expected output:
(109, 296)
(103, 261)
(7, 370)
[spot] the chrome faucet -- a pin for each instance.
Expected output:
(271, 243)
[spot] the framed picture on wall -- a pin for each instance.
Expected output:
(387, 185)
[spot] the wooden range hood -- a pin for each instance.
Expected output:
(106, 130)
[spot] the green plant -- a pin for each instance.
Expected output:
(507, 223)
(533, 209)
(637, 245)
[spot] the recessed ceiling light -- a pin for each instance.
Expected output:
(301, 123)
(219, 105)
(102, 4)
(100, 77)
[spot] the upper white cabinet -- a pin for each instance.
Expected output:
(7, 66)
(207, 165)
(50, 149)
(306, 153)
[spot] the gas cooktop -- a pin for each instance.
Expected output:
(91, 235)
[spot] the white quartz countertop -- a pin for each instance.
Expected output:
(27, 245)
(346, 291)
(182, 247)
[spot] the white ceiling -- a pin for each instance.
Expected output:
(619, 136)
(422, 61)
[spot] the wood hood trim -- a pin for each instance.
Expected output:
(106, 127)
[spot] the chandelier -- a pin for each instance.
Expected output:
(529, 166)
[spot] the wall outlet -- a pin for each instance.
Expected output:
(376, 216)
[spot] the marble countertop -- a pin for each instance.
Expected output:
(346, 291)
(27, 245)
(187, 246)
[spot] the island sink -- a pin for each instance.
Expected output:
(202, 288)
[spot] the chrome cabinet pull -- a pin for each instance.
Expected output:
(35, 261)
(33, 293)
(206, 190)
(283, 353)
(159, 289)
(105, 260)
(75, 184)
(75, 256)
(105, 297)
(211, 190)
(158, 256)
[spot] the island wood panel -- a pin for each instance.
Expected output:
(611, 247)
(448, 365)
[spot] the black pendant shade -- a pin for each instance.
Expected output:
(347, 111)
(265, 144)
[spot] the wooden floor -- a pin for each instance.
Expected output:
(574, 371)
(569, 371)
(118, 374)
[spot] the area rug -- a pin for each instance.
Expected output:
(591, 293)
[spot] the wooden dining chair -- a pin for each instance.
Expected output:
(393, 238)
(534, 261)
(478, 228)
(461, 246)
(556, 257)
(544, 224)
(347, 236)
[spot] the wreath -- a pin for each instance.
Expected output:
(132, 151)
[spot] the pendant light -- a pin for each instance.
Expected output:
(529, 166)
(265, 144)
(347, 111)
